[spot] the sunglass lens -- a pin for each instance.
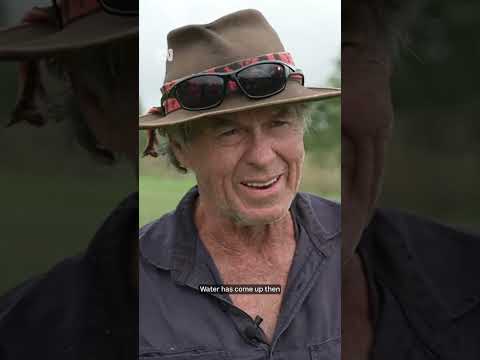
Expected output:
(200, 92)
(262, 79)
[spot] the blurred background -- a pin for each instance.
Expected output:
(309, 30)
(433, 165)
(54, 194)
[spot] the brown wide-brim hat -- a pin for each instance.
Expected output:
(232, 39)
(84, 24)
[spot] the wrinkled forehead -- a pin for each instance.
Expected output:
(252, 117)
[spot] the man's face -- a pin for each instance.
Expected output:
(248, 165)
(366, 123)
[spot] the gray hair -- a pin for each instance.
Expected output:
(183, 133)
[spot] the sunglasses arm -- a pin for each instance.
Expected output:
(296, 74)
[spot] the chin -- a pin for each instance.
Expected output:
(249, 211)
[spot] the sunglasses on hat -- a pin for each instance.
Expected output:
(208, 90)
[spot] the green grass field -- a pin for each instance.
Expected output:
(51, 217)
(161, 188)
(160, 195)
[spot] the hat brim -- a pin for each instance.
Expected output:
(293, 93)
(35, 40)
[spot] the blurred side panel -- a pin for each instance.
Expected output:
(433, 165)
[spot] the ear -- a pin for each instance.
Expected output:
(181, 152)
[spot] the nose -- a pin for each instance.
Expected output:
(260, 153)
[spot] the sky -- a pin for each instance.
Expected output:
(309, 29)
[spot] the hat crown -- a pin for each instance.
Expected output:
(237, 36)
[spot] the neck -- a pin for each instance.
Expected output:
(229, 238)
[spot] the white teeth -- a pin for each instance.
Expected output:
(261, 185)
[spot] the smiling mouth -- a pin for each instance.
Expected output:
(261, 185)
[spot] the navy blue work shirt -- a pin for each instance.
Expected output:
(177, 321)
(424, 287)
(84, 307)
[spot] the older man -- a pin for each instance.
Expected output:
(232, 110)
(410, 286)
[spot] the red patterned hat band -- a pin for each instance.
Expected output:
(171, 104)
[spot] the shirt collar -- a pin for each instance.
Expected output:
(394, 247)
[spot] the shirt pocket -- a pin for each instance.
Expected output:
(187, 354)
(328, 350)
